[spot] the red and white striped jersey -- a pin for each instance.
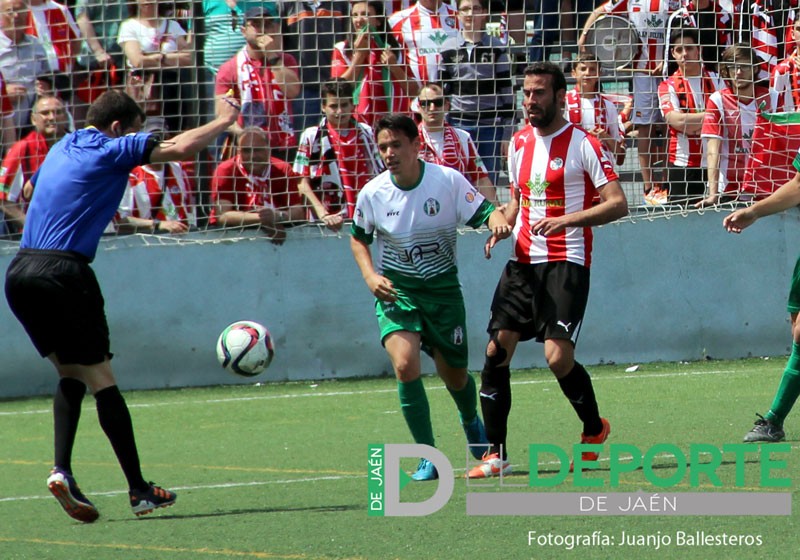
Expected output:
(555, 175)
(649, 17)
(733, 122)
(424, 36)
(784, 84)
(165, 194)
(591, 113)
(687, 95)
(19, 165)
(55, 27)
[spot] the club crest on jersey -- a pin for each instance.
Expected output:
(556, 164)
(470, 197)
(431, 207)
(537, 185)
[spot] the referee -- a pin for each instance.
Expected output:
(54, 293)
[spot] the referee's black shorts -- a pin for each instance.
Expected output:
(56, 297)
(541, 301)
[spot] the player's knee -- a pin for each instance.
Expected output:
(495, 353)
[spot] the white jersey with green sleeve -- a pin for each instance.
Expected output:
(416, 227)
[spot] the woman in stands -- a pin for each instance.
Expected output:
(372, 59)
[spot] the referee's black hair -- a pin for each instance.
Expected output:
(114, 105)
(398, 122)
(548, 68)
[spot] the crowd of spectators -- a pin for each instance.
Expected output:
(313, 77)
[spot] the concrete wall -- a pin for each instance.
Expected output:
(662, 289)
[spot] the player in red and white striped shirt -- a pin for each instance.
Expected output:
(555, 169)
(425, 31)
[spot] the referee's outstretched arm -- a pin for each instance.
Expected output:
(188, 143)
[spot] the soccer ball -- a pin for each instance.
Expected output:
(245, 348)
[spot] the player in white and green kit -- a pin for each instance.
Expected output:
(413, 210)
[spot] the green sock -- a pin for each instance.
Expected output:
(416, 410)
(788, 390)
(466, 400)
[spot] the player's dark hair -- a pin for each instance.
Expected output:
(337, 88)
(548, 68)
(397, 122)
(114, 105)
(681, 32)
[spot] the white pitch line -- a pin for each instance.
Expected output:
(379, 391)
(198, 487)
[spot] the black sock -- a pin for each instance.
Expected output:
(116, 423)
(577, 387)
(495, 394)
(66, 415)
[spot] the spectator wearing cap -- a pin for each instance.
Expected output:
(23, 61)
(263, 79)
(222, 32)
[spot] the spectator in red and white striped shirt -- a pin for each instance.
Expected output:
(683, 103)
(425, 31)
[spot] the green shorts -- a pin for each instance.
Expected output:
(442, 325)
(793, 305)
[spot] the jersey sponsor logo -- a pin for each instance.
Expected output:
(525, 203)
(439, 38)
(359, 213)
(431, 207)
(564, 325)
(418, 252)
(538, 185)
(391, 213)
(556, 164)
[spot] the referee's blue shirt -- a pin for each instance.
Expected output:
(78, 189)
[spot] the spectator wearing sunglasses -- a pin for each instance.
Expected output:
(443, 144)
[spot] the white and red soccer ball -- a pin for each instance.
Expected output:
(245, 348)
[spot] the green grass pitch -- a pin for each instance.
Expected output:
(279, 471)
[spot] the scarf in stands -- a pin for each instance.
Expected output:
(263, 102)
(453, 153)
(376, 85)
(686, 99)
(171, 200)
(575, 109)
(258, 190)
(324, 167)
